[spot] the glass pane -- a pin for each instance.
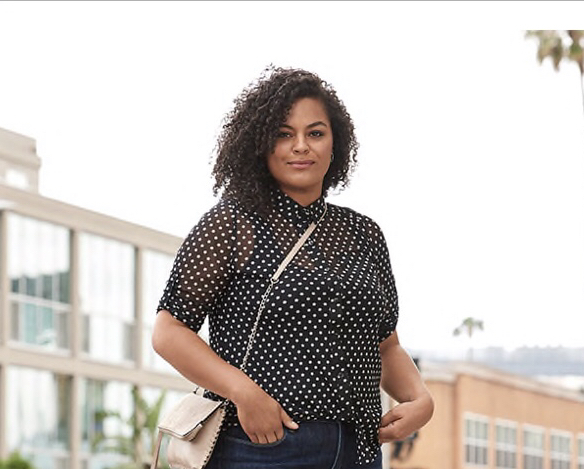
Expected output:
(37, 424)
(47, 286)
(29, 323)
(484, 431)
(38, 255)
(128, 341)
(470, 429)
(156, 267)
(31, 286)
(15, 320)
(107, 407)
(566, 445)
(86, 335)
(106, 284)
(38, 259)
(62, 329)
(64, 291)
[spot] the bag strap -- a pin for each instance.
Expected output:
(273, 281)
(154, 463)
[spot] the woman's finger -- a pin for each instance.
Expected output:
(287, 420)
(394, 431)
(389, 417)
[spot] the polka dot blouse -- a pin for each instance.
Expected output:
(317, 346)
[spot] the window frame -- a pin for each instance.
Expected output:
(59, 307)
(558, 459)
(533, 452)
(480, 445)
(580, 451)
(504, 446)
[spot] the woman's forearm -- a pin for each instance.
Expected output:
(195, 360)
(400, 377)
(261, 417)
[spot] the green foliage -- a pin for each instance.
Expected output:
(143, 424)
(559, 46)
(469, 325)
(16, 461)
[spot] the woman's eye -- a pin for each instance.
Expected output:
(283, 134)
(316, 133)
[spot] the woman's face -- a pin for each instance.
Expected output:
(302, 154)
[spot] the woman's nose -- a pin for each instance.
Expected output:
(300, 145)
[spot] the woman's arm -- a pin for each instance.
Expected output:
(401, 379)
(260, 416)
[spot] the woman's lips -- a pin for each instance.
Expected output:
(301, 164)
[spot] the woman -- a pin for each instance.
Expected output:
(309, 396)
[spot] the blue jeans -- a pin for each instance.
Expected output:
(314, 445)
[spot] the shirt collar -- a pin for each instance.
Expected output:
(293, 211)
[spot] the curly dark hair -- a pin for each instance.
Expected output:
(250, 130)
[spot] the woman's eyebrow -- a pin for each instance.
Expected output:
(309, 126)
(317, 123)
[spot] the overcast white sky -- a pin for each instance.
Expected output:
(471, 159)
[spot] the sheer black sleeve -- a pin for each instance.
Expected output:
(203, 267)
(387, 284)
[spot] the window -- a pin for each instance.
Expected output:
(533, 447)
(505, 445)
(561, 449)
(107, 408)
(581, 451)
(106, 296)
(476, 440)
(39, 415)
(155, 272)
(39, 270)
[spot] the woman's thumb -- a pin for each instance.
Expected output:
(287, 420)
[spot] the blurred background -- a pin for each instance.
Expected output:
(471, 160)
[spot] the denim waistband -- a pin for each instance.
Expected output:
(318, 444)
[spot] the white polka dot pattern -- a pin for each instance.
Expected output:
(317, 346)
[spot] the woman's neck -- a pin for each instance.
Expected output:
(304, 198)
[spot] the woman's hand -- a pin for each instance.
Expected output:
(405, 418)
(260, 415)
(401, 379)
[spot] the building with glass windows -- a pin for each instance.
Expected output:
(486, 418)
(77, 296)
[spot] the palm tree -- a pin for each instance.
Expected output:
(469, 325)
(560, 45)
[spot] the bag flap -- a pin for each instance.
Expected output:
(188, 414)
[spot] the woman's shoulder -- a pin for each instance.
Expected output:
(227, 212)
(224, 207)
(349, 215)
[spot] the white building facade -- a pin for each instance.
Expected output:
(78, 293)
